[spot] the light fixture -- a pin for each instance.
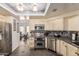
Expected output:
(27, 17)
(20, 7)
(22, 18)
(35, 7)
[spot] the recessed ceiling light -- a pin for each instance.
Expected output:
(22, 18)
(20, 7)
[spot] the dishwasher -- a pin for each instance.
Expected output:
(51, 44)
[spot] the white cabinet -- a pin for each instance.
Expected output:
(53, 44)
(58, 46)
(73, 23)
(65, 24)
(58, 24)
(48, 43)
(45, 42)
(30, 42)
(54, 24)
(72, 50)
(67, 49)
(62, 48)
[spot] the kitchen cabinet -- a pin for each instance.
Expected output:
(63, 48)
(49, 44)
(73, 23)
(65, 24)
(55, 24)
(45, 42)
(31, 42)
(66, 49)
(53, 44)
(58, 46)
(58, 24)
(72, 50)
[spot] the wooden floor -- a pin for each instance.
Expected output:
(24, 50)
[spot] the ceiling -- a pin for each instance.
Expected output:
(56, 9)
(44, 10)
(28, 8)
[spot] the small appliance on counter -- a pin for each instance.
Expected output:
(74, 37)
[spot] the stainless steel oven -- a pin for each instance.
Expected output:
(40, 43)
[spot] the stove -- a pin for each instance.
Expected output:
(39, 43)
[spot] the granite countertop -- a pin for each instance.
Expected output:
(68, 40)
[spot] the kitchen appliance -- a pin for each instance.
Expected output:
(74, 37)
(39, 27)
(39, 41)
(5, 38)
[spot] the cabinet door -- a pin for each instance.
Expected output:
(63, 48)
(73, 23)
(58, 24)
(53, 45)
(72, 50)
(45, 42)
(48, 43)
(58, 46)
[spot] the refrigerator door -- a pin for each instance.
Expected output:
(7, 38)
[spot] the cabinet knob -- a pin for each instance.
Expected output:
(65, 46)
(77, 53)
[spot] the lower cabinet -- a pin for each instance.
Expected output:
(49, 44)
(62, 47)
(45, 42)
(58, 46)
(53, 44)
(72, 50)
(65, 48)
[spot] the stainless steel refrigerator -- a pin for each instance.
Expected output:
(5, 38)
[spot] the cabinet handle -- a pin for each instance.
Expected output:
(77, 53)
(65, 46)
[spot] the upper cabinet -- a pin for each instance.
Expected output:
(49, 25)
(73, 23)
(64, 24)
(58, 24)
(55, 24)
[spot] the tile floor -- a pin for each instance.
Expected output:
(24, 50)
